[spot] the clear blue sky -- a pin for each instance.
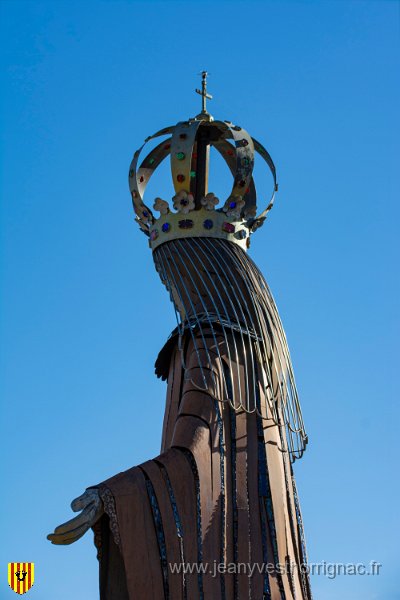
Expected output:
(83, 313)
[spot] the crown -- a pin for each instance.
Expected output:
(196, 212)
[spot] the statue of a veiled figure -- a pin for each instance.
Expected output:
(216, 515)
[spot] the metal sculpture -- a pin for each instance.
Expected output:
(216, 515)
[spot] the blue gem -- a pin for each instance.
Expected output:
(166, 227)
(145, 213)
(208, 224)
(232, 205)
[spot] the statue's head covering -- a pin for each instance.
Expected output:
(194, 211)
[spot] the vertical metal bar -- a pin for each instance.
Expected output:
(161, 269)
(210, 296)
(206, 314)
(202, 164)
(213, 249)
(194, 312)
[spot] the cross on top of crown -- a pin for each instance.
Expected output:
(204, 95)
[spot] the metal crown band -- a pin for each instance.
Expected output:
(198, 213)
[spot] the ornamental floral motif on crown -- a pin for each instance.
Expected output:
(193, 211)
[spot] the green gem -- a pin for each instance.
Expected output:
(192, 173)
(152, 160)
(180, 155)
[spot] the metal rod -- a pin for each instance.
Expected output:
(202, 165)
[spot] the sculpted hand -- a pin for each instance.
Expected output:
(91, 508)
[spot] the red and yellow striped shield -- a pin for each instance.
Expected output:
(21, 576)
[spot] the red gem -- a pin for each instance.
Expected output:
(228, 227)
(141, 179)
(230, 152)
(180, 178)
(167, 146)
(185, 224)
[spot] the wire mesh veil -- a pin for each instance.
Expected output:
(216, 289)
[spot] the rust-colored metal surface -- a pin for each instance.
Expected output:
(214, 516)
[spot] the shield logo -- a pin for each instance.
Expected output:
(21, 577)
